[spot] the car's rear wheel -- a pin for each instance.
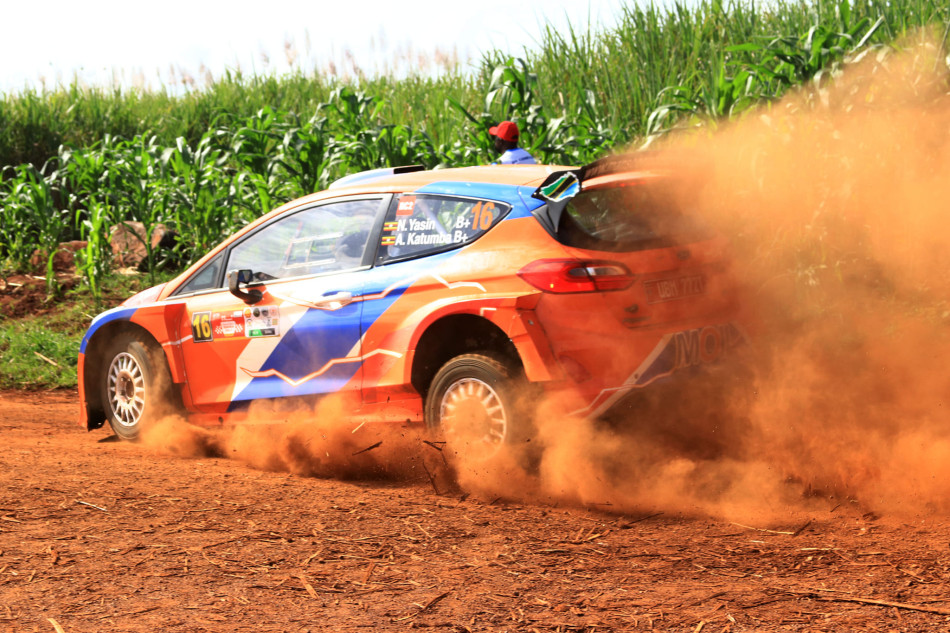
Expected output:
(135, 386)
(474, 404)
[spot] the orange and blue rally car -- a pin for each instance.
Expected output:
(415, 295)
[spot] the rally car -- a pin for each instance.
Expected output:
(413, 294)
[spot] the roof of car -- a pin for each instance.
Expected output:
(517, 175)
(489, 175)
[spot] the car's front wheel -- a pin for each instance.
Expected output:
(135, 385)
(474, 403)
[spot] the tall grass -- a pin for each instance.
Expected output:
(206, 162)
(705, 57)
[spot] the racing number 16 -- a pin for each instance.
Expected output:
(483, 214)
(201, 326)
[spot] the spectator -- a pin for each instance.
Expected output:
(506, 143)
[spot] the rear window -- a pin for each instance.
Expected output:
(634, 216)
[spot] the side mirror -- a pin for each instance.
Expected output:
(237, 278)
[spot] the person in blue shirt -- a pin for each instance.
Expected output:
(506, 143)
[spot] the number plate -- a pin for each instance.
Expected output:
(678, 288)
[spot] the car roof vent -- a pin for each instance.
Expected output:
(373, 174)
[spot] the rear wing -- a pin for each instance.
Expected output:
(560, 186)
(564, 185)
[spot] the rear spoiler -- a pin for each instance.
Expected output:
(559, 187)
(564, 185)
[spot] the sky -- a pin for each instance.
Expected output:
(168, 43)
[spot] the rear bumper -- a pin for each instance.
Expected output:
(608, 374)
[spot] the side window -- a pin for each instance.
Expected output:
(322, 239)
(204, 279)
(422, 224)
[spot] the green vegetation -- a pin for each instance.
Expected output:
(31, 357)
(39, 340)
(78, 160)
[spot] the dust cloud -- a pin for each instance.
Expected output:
(312, 441)
(835, 201)
(837, 204)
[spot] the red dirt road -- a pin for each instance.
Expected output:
(97, 535)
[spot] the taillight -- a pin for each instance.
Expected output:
(574, 275)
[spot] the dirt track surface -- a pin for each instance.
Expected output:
(98, 535)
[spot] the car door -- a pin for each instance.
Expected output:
(297, 330)
(420, 233)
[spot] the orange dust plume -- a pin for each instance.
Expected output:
(836, 204)
(315, 441)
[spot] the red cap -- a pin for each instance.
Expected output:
(506, 131)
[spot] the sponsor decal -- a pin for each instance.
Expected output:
(688, 349)
(704, 345)
(483, 214)
(677, 350)
(201, 329)
(406, 205)
(228, 324)
(563, 188)
(261, 321)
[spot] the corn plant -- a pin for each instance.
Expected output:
(580, 138)
(31, 205)
(93, 260)
(140, 195)
(199, 194)
(399, 145)
(723, 97)
(355, 111)
(308, 155)
(790, 60)
(254, 144)
(19, 228)
(475, 143)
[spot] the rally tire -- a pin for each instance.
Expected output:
(484, 391)
(135, 385)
